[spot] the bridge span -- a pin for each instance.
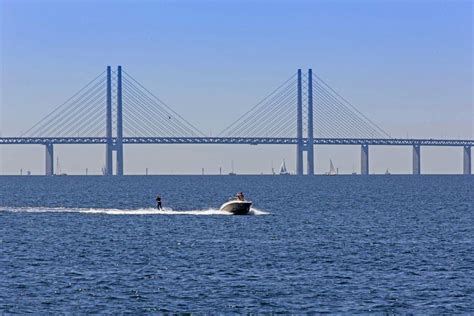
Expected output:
(115, 109)
(49, 142)
(237, 140)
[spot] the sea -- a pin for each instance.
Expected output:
(344, 244)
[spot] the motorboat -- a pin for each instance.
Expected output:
(237, 207)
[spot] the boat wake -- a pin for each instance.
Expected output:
(111, 211)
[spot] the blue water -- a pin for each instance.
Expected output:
(323, 244)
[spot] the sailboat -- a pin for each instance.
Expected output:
(232, 173)
(332, 170)
(387, 173)
(283, 170)
(58, 169)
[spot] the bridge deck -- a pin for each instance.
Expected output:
(236, 140)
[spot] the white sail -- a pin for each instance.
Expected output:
(283, 170)
(332, 170)
(283, 167)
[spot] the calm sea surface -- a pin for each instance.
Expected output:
(321, 244)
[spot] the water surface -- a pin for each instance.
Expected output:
(339, 244)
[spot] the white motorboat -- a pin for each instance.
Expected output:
(237, 207)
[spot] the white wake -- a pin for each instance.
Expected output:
(111, 211)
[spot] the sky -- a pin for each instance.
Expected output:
(407, 65)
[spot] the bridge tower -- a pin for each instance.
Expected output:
(111, 144)
(49, 159)
(108, 126)
(310, 143)
(364, 159)
(416, 160)
(467, 160)
(299, 127)
(300, 146)
(119, 143)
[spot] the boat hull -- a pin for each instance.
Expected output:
(237, 207)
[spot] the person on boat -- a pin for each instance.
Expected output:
(240, 196)
(158, 202)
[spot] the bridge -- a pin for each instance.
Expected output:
(115, 109)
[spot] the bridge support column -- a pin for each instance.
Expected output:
(49, 160)
(416, 159)
(299, 128)
(364, 159)
(108, 126)
(467, 160)
(310, 144)
(119, 144)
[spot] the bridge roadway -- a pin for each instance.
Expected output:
(236, 140)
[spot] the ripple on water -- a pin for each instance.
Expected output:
(341, 245)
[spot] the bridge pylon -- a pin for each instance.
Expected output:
(364, 159)
(299, 127)
(467, 160)
(119, 144)
(49, 159)
(108, 126)
(111, 143)
(416, 170)
(300, 146)
(310, 144)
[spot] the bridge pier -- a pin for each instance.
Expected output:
(49, 160)
(119, 144)
(364, 159)
(108, 126)
(299, 128)
(416, 160)
(467, 160)
(310, 144)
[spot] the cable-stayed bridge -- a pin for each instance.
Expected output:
(114, 109)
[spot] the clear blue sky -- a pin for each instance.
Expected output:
(406, 64)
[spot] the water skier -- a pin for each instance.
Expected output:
(158, 202)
